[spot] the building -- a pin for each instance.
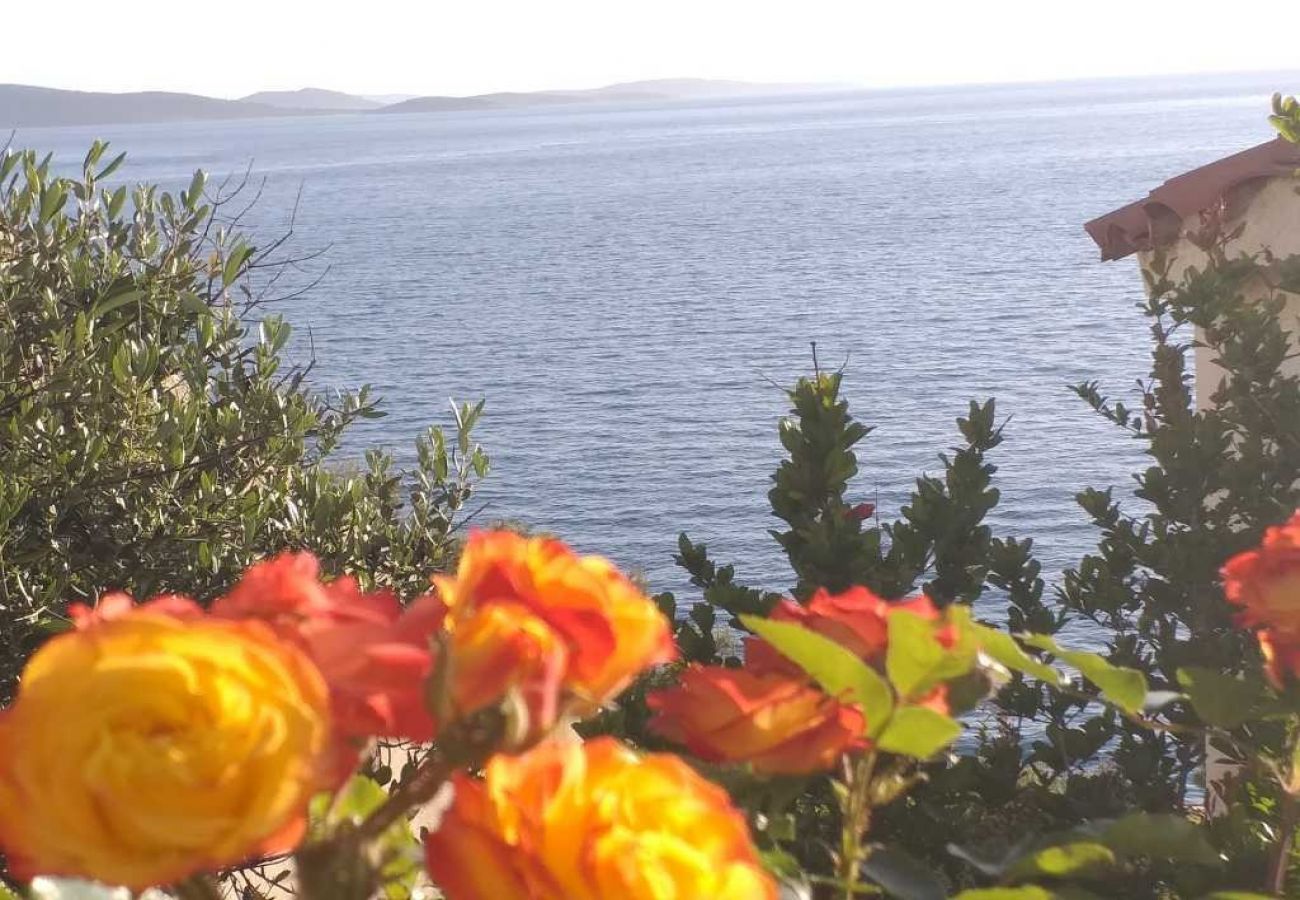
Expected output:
(1255, 195)
(1255, 190)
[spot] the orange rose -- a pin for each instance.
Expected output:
(775, 723)
(567, 632)
(152, 742)
(1265, 583)
(374, 654)
(857, 620)
(593, 821)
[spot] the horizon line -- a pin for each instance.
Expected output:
(838, 86)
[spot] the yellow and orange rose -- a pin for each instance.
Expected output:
(565, 632)
(569, 821)
(155, 741)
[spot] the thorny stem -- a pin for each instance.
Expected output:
(856, 815)
(422, 787)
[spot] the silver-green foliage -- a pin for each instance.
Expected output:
(151, 436)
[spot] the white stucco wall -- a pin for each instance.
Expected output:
(1269, 213)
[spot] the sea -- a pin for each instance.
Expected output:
(632, 288)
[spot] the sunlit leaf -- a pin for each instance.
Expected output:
(839, 671)
(1004, 649)
(918, 732)
(917, 662)
(1126, 688)
(1063, 860)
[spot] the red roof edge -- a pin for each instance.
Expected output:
(1129, 228)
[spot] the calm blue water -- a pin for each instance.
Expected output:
(627, 286)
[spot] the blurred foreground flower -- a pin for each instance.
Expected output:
(1265, 583)
(563, 633)
(571, 821)
(155, 741)
(374, 654)
(777, 723)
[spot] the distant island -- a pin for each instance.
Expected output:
(27, 106)
(312, 100)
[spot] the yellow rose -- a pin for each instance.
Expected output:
(153, 742)
(569, 821)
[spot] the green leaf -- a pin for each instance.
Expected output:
(193, 304)
(902, 876)
(112, 166)
(52, 200)
(195, 191)
(112, 303)
(838, 670)
(1220, 699)
(1028, 892)
(398, 846)
(116, 201)
(1064, 860)
(1160, 836)
(1003, 648)
(1126, 688)
(918, 732)
(234, 263)
(916, 662)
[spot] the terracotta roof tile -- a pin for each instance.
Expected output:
(1134, 227)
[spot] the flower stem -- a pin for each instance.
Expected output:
(856, 820)
(421, 788)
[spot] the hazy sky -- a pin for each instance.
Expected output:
(233, 47)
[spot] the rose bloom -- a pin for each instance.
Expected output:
(1265, 583)
(571, 821)
(856, 619)
(152, 742)
(778, 724)
(375, 654)
(566, 633)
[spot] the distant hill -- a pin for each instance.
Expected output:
(26, 106)
(665, 89)
(313, 99)
(387, 99)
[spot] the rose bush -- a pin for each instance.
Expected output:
(157, 744)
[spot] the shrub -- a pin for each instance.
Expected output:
(152, 436)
